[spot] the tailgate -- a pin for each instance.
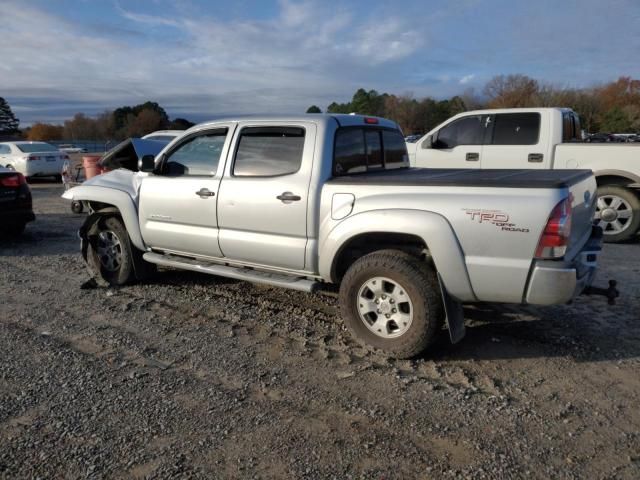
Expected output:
(583, 206)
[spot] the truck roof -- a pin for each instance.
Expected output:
(517, 110)
(320, 118)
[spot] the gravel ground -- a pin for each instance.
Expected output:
(204, 377)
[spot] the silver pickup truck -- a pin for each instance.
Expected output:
(304, 202)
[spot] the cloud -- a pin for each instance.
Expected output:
(467, 78)
(303, 53)
(145, 18)
(199, 60)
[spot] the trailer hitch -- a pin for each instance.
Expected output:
(611, 293)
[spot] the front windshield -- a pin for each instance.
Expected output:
(36, 147)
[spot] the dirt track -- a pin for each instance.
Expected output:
(198, 376)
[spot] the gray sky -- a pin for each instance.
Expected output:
(199, 59)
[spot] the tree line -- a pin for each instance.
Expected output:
(118, 124)
(613, 107)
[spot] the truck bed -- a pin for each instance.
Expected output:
(453, 177)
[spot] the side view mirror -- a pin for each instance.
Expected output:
(147, 163)
(428, 142)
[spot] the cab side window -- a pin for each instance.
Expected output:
(516, 129)
(464, 131)
(197, 156)
(5, 150)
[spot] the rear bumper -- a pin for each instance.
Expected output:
(556, 282)
(43, 168)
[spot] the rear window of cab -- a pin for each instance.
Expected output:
(364, 149)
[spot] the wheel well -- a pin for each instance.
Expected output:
(365, 243)
(100, 207)
(613, 180)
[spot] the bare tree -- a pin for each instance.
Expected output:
(511, 91)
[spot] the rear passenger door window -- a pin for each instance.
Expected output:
(516, 129)
(269, 151)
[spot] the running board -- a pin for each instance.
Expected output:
(239, 273)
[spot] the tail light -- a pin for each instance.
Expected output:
(371, 120)
(555, 237)
(14, 180)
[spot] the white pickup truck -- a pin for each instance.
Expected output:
(540, 138)
(303, 202)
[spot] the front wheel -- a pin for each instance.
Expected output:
(390, 300)
(617, 213)
(109, 253)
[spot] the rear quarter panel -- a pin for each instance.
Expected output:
(497, 229)
(603, 159)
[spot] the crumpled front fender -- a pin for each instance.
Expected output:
(121, 201)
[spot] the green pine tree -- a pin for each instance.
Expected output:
(8, 121)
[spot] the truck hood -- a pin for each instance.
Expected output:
(121, 179)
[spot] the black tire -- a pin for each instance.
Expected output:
(15, 229)
(77, 206)
(10, 167)
(57, 178)
(630, 202)
(106, 268)
(415, 278)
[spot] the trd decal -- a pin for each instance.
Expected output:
(494, 217)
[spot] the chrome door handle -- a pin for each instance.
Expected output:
(288, 197)
(205, 192)
(472, 157)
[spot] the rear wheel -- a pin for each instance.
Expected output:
(617, 213)
(390, 300)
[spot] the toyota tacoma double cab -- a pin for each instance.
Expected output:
(541, 139)
(304, 202)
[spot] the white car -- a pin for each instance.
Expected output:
(71, 148)
(164, 135)
(33, 159)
